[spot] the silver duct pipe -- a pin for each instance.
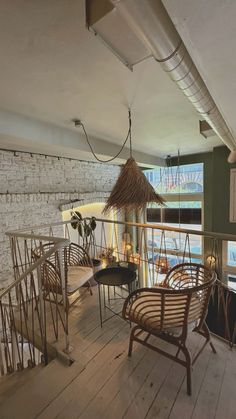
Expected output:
(153, 26)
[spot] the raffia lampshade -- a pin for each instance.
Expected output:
(132, 190)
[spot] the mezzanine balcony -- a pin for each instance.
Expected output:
(39, 328)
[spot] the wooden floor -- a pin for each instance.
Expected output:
(104, 383)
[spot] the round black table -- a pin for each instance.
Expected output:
(112, 277)
(130, 265)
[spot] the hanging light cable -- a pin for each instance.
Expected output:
(79, 123)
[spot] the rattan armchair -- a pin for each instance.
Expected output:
(172, 311)
(78, 270)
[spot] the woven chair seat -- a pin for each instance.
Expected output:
(77, 276)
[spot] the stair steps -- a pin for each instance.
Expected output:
(9, 384)
(27, 397)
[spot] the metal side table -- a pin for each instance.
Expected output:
(112, 277)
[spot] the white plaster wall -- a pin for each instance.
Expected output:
(32, 188)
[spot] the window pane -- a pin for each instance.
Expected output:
(232, 281)
(174, 215)
(231, 254)
(177, 179)
(184, 204)
(176, 241)
(181, 181)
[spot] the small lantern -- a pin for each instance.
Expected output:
(211, 261)
(162, 265)
(128, 247)
(135, 258)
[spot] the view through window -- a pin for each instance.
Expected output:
(182, 188)
(229, 265)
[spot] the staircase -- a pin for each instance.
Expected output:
(25, 394)
(9, 384)
(33, 322)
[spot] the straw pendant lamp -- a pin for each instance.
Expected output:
(132, 190)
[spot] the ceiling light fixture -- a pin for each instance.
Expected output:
(132, 190)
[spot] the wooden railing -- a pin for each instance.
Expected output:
(24, 311)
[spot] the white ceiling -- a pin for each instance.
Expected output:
(208, 29)
(53, 69)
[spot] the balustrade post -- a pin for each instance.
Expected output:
(14, 349)
(42, 314)
(1, 357)
(61, 256)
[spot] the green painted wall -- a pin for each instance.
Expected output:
(221, 191)
(216, 188)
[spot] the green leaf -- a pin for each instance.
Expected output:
(74, 224)
(93, 223)
(80, 230)
(87, 230)
(79, 215)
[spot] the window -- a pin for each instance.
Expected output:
(182, 188)
(232, 281)
(186, 179)
(231, 253)
(229, 263)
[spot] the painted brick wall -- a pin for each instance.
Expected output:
(33, 187)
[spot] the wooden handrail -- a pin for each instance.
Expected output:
(221, 236)
(59, 243)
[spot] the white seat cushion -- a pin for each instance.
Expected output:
(77, 277)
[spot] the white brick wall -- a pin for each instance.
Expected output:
(32, 188)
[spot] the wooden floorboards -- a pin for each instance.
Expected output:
(103, 383)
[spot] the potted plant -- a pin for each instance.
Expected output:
(86, 228)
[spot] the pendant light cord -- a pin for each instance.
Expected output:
(179, 197)
(128, 136)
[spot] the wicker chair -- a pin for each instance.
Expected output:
(172, 311)
(78, 270)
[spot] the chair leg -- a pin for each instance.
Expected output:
(90, 288)
(130, 344)
(188, 368)
(208, 336)
(131, 339)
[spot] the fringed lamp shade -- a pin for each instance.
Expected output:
(132, 190)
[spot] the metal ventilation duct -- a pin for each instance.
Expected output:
(149, 22)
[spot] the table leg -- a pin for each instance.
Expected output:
(130, 288)
(100, 304)
(104, 296)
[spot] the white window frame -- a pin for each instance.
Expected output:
(232, 204)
